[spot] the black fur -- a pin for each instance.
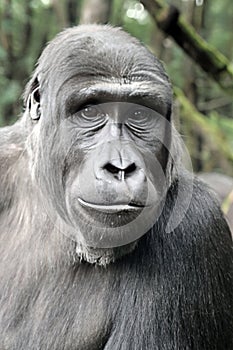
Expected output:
(172, 292)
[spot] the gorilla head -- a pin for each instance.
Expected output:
(98, 112)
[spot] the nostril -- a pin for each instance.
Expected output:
(111, 168)
(130, 169)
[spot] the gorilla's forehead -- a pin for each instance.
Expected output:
(107, 52)
(101, 61)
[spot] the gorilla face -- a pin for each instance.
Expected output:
(100, 135)
(120, 181)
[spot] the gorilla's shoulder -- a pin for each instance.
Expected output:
(189, 185)
(12, 140)
(202, 214)
(12, 149)
(204, 196)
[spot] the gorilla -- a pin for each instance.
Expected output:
(107, 242)
(223, 186)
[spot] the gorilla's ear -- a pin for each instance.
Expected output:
(33, 102)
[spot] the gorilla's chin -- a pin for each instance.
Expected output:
(110, 226)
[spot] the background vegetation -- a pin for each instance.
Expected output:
(204, 106)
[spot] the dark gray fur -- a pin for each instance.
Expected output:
(172, 292)
(223, 186)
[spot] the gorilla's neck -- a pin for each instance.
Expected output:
(103, 256)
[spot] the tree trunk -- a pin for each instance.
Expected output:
(95, 11)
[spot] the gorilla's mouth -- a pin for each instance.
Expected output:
(113, 208)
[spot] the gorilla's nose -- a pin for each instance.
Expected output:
(120, 169)
(120, 164)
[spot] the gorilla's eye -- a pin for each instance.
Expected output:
(140, 122)
(139, 117)
(138, 114)
(90, 117)
(90, 112)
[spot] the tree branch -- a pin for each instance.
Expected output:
(216, 138)
(170, 21)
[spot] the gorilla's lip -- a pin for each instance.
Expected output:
(112, 208)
